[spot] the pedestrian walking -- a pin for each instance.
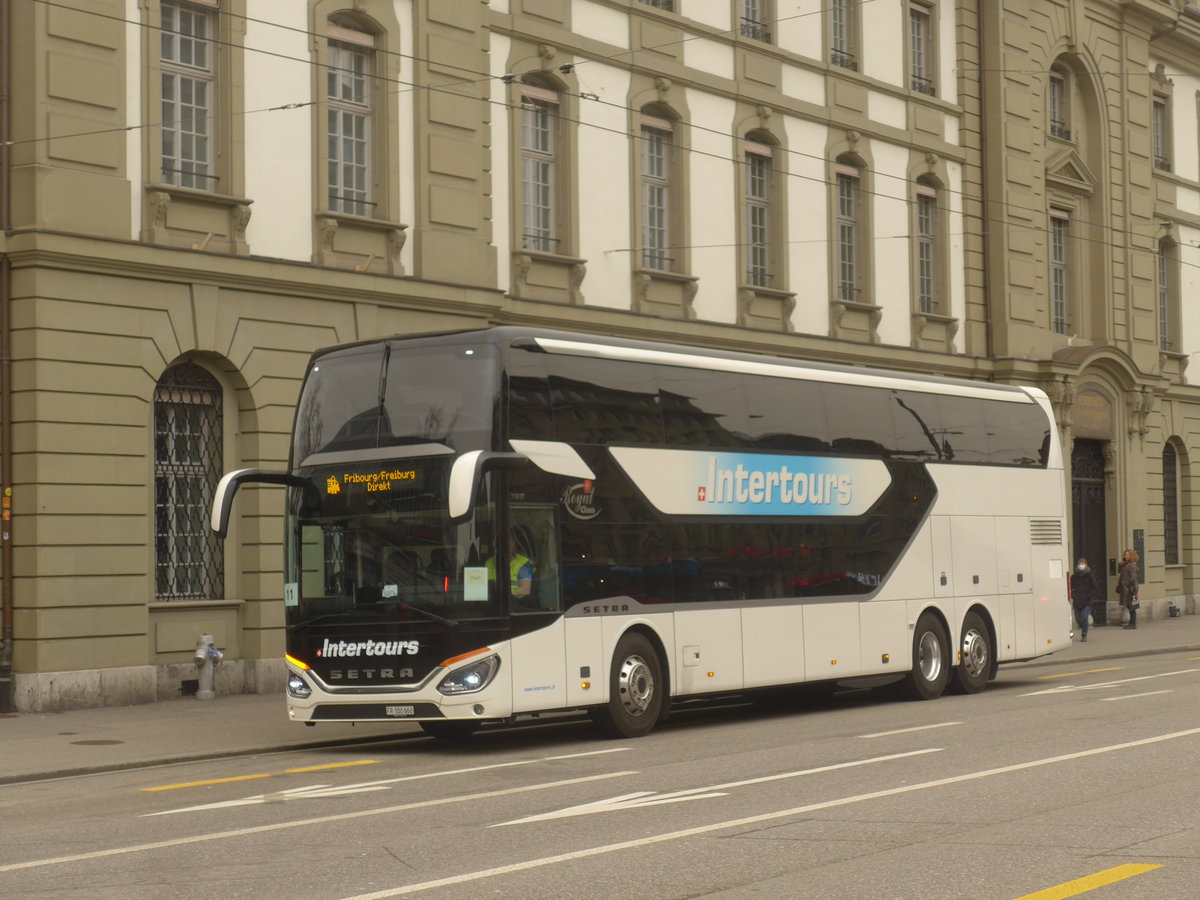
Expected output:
(1085, 590)
(1128, 577)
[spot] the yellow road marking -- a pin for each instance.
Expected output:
(233, 778)
(1091, 882)
(1084, 672)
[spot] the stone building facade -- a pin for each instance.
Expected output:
(195, 194)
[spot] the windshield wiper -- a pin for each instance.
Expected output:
(349, 618)
(451, 623)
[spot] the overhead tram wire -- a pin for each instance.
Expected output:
(410, 87)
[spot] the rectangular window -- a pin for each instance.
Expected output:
(754, 20)
(186, 57)
(841, 35)
(1164, 298)
(1059, 127)
(847, 236)
(1060, 270)
(758, 217)
(668, 5)
(656, 185)
(349, 120)
(1161, 127)
(920, 48)
(539, 126)
(927, 213)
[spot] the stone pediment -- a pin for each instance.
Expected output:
(1066, 170)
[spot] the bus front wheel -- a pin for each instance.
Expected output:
(931, 660)
(975, 666)
(635, 690)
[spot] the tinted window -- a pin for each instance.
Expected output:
(965, 433)
(597, 401)
(339, 405)
(601, 561)
(529, 398)
(1020, 435)
(787, 415)
(441, 395)
(701, 408)
(920, 433)
(860, 419)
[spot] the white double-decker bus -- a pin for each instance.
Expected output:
(489, 524)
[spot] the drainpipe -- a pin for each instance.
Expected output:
(7, 692)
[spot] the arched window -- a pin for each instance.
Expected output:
(1170, 496)
(540, 147)
(1058, 102)
(188, 557)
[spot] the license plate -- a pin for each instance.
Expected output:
(399, 711)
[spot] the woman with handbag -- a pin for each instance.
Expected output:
(1127, 585)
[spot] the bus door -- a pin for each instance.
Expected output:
(538, 655)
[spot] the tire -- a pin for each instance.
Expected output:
(450, 729)
(931, 660)
(635, 690)
(975, 665)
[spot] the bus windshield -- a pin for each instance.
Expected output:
(379, 548)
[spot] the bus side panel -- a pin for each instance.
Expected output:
(886, 638)
(585, 651)
(538, 662)
(774, 641)
(974, 541)
(1014, 571)
(708, 650)
(831, 640)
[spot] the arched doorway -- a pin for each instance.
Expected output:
(1088, 514)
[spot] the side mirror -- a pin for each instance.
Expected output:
(466, 474)
(228, 485)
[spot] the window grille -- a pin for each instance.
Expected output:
(1060, 243)
(758, 219)
(186, 58)
(656, 185)
(539, 123)
(847, 238)
(926, 251)
(1170, 468)
(189, 558)
(841, 42)
(349, 124)
(754, 20)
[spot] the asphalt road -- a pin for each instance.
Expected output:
(1062, 774)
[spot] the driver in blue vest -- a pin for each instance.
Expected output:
(520, 570)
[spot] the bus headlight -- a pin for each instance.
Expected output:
(472, 678)
(298, 688)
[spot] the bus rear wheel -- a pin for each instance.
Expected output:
(931, 660)
(450, 729)
(975, 666)
(635, 690)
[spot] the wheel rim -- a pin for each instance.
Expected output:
(930, 656)
(635, 685)
(974, 653)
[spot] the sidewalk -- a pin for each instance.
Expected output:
(47, 745)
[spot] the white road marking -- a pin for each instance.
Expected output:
(319, 791)
(639, 843)
(879, 734)
(300, 823)
(1131, 696)
(639, 799)
(1068, 688)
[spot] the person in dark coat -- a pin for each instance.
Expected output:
(1085, 590)
(1127, 585)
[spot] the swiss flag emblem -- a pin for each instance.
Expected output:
(702, 494)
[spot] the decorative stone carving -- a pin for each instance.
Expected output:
(1139, 403)
(546, 53)
(662, 84)
(1061, 392)
(239, 218)
(578, 273)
